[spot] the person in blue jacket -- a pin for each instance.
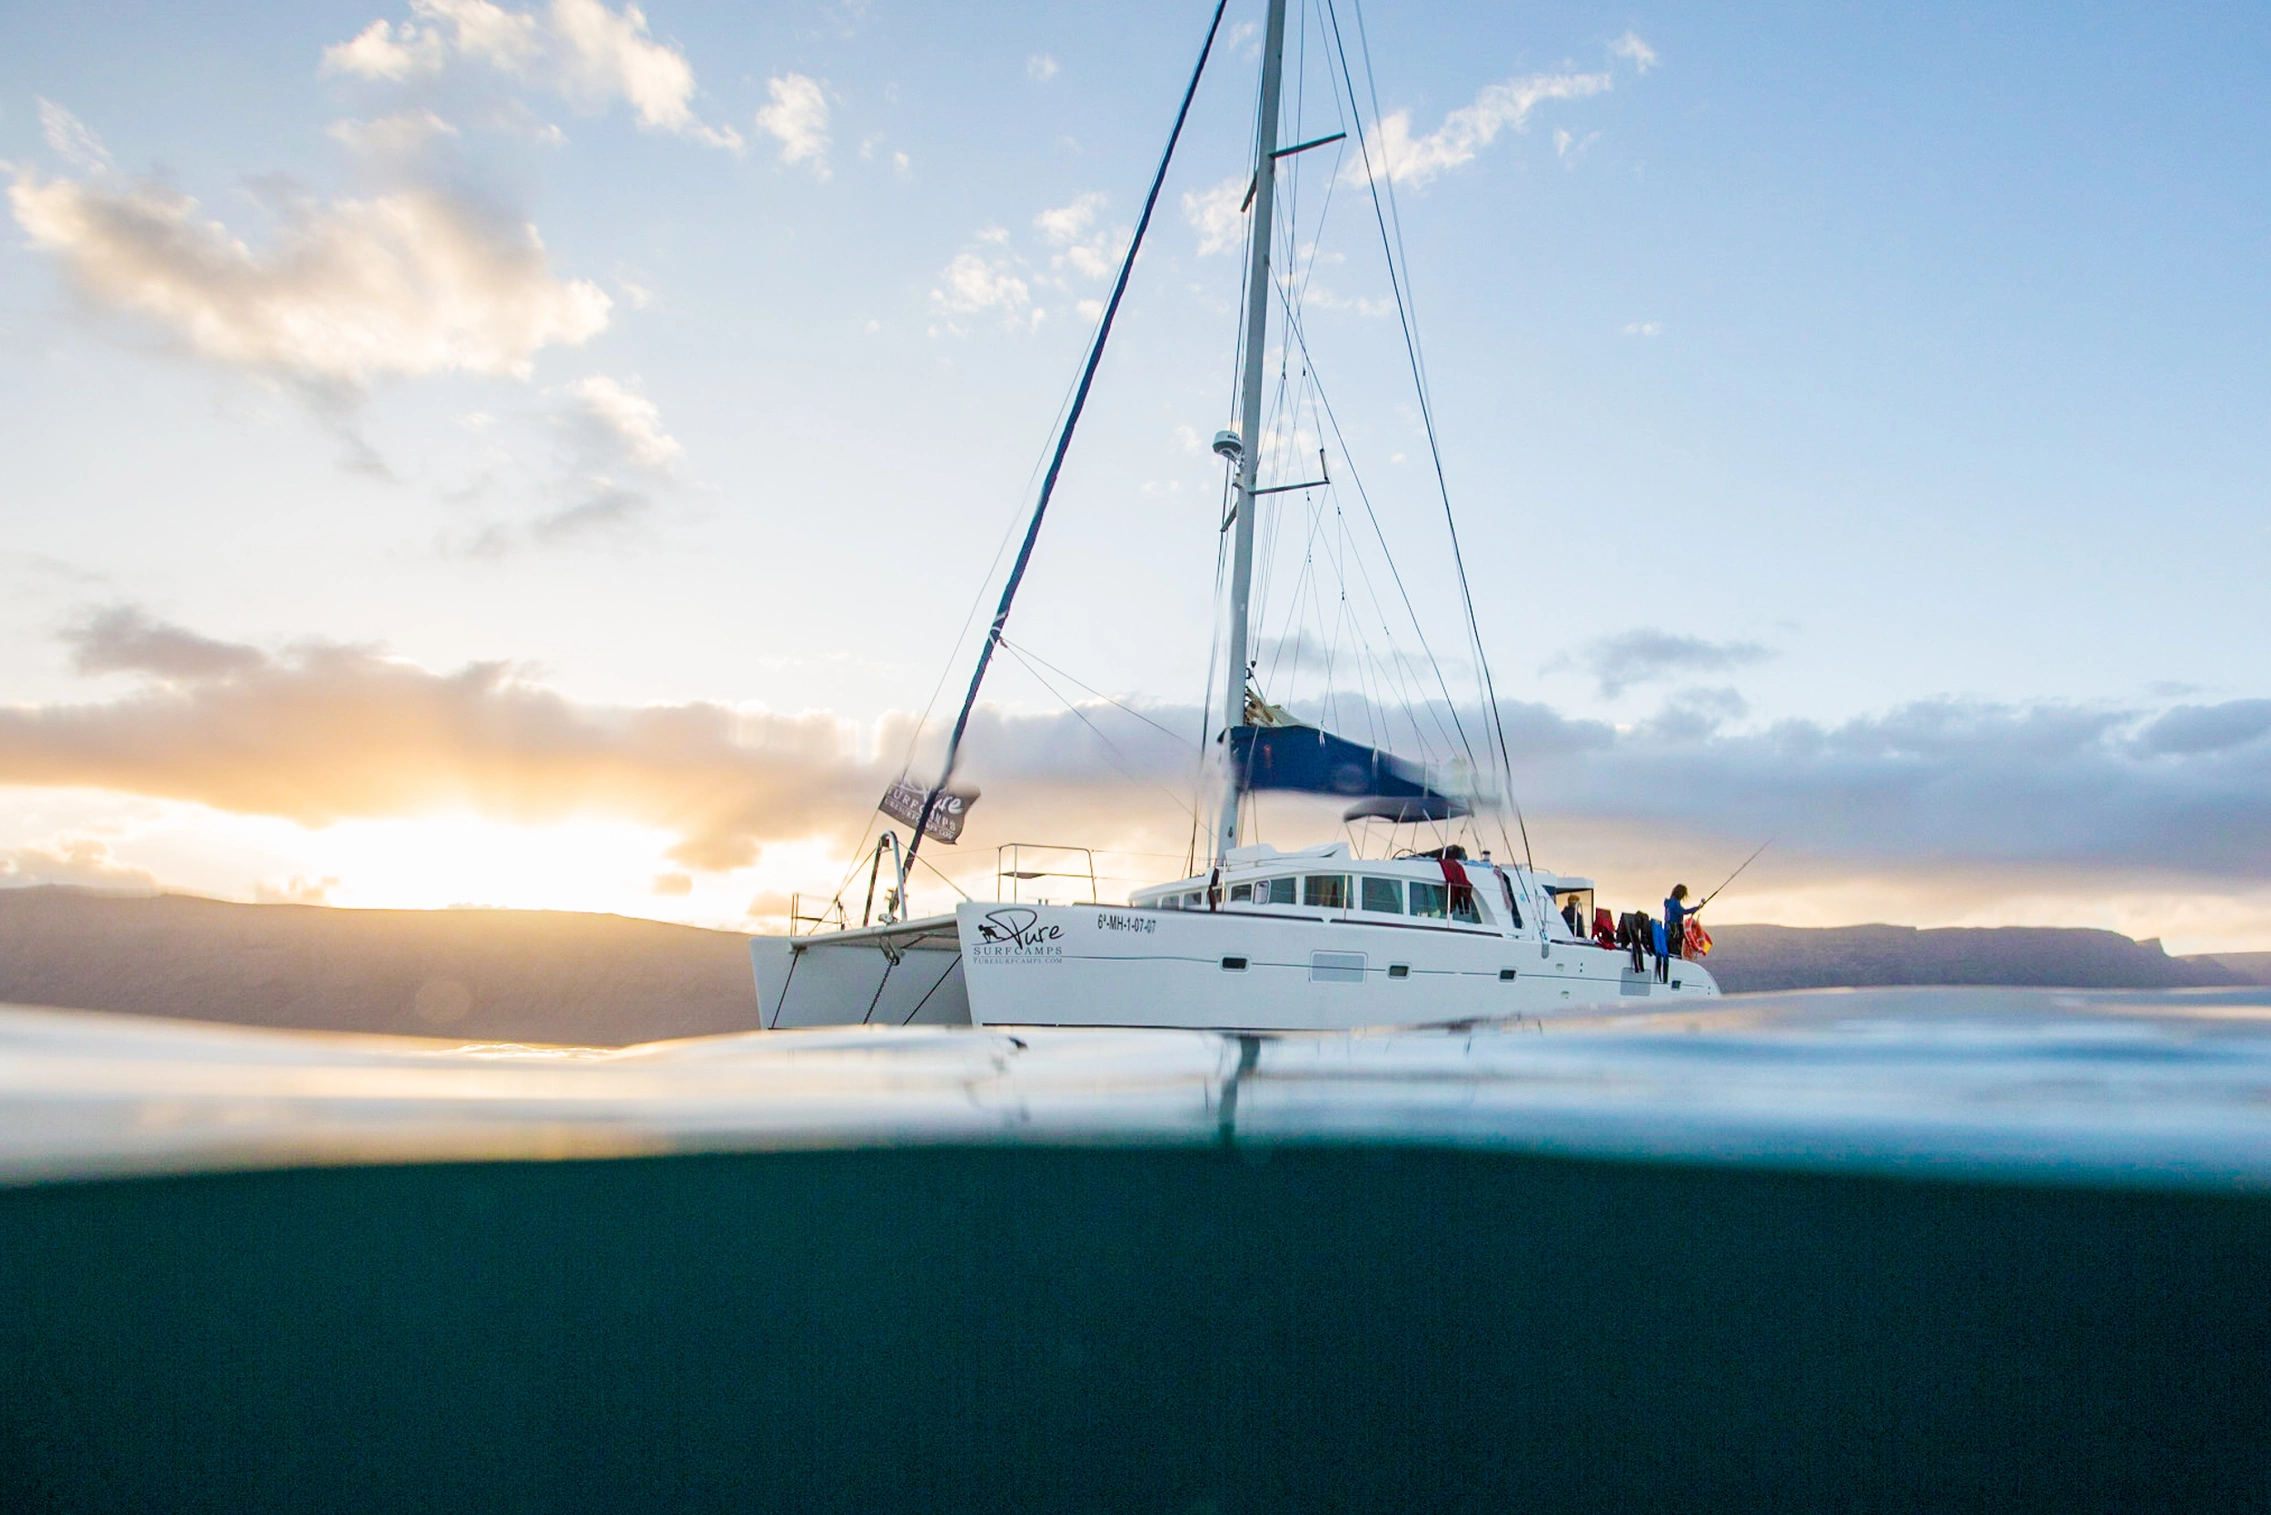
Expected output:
(1676, 912)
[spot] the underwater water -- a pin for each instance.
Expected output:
(1891, 1251)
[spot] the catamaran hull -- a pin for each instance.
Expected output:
(903, 975)
(1089, 965)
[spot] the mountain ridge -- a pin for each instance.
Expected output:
(608, 980)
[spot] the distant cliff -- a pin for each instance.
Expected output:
(1751, 958)
(492, 975)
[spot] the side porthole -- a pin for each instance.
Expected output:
(1506, 975)
(1399, 970)
(1234, 965)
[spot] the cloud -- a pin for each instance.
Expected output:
(974, 285)
(1569, 147)
(1960, 798)
(1040, 68)
(1465, 132)
(1646, 655)
(1069, 223)
(123, 639)
(1088, 249)
(606, 509)
(418, 281)
(78, 861)
(1643, 328)
(581, 50)
(1629, 46)
(2193, 729)
(629, 421)
(70, 139)
(613, 453)
(798, 118)
(1217, 214)
(325, 732)
(393, 144)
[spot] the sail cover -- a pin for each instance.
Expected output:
(1314, 761)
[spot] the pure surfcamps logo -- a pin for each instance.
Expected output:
(1015, 934)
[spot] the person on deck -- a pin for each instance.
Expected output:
(1676, 913)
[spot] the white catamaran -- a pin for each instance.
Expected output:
(1263, 940)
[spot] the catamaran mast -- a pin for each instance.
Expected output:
(1250, 415)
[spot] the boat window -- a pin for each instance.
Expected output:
(1384, 894)
(1336, 967)
(1328, 890)
(1281, 891)
(1427, 900)
(1465, 908)
(1241, 893)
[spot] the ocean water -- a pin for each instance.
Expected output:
(1872, 1251)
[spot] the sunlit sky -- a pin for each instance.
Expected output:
(547, 456)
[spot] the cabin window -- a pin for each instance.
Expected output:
(1241, 893)
(1428, 900)
(1384, 894)
(1464, 907)
(1281, 891)
(1328, 891)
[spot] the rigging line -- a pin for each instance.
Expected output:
(1394, 663)
(1427, 418)
(1206, 706)
(978, 595)
(1119, 759)
(1023, 651)
(942, 878)
(1404, 300)
(1450, 705)
(1064, 437)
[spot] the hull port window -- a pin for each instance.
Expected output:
(1327, 891)
(1505, 975)
(1384, 894)
(1399, 970)
(1336, 967)
(1234, 965)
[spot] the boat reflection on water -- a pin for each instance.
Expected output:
(1920, 1248)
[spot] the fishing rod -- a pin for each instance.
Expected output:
(1738, 873)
